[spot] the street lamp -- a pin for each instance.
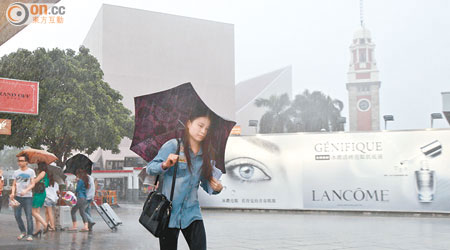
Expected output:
(435, 116)
(253, 123)
(387, 118)
(342, 120)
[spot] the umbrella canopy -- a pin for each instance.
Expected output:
(37, 156)
(58, 173)
(161, 116)
(78, 161)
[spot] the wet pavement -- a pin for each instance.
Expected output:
(256, 230)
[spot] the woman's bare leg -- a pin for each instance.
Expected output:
(51, 217)
(36, 212)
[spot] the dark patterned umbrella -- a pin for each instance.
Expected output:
(78, 161)
(161, 116)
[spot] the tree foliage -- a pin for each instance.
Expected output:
(277, 119)
(78, 110)
(308, 112)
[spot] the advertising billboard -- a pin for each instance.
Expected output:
(368, 171)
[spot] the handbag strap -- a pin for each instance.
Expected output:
(174, 174)
(175, 171)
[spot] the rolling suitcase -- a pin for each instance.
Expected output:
(108, 215)
(63, 219)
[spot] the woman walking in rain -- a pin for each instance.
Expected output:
(41, 183)
(194, 168)
(80, 192)
(50, 202)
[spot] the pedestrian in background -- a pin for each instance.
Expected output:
(50, 202)
(90, 194)
(194, 169)
(80, 192)
(41, 182)
(2, 183)
(21, 191)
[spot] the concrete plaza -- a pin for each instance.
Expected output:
(256, 229)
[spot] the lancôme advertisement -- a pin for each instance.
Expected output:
(373, 171)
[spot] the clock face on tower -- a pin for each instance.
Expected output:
(363, 105)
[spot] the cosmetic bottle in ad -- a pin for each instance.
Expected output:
(426, 182)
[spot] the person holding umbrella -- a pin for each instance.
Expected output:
(41, 183)
(195, 168)
(80, 192)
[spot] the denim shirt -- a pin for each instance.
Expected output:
(80, 191)
(185, 205)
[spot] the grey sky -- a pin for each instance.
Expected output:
(411, 36)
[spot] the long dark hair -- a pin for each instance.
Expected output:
(42, 166)
(208, 152)
(81, 173)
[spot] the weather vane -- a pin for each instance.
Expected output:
(361, 13)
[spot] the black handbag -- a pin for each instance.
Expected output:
(155, 216)
(38, 188)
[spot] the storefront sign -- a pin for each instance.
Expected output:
(17, 96)
(5, 127)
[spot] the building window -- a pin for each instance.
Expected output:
(135, 162)
(363, 88)
(114, 164)
(362, 55)
(362, 41)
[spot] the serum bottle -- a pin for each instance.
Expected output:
(425, 180)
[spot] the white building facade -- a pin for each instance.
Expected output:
(143, 52)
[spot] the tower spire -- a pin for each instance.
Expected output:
(361, 17)
(363, 82)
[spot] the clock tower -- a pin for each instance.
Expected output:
(363, 84)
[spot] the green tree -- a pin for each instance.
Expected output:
(308, 112)
(277, 119)
(314, 111)
(78, 110)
